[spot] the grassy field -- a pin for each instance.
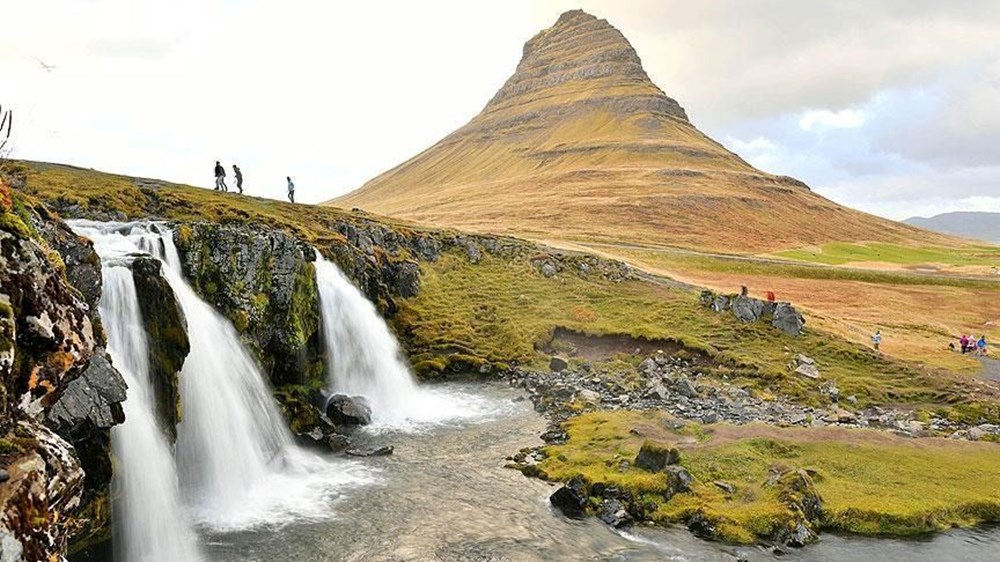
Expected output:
(871, 483)
(919, 313)
(843, 253)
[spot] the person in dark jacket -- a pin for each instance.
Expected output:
(220, 177)
(239, 178)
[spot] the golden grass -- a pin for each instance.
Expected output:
(871, 482)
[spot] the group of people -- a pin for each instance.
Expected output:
(220, 180)
(969, 344)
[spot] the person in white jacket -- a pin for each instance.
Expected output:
(291, 189)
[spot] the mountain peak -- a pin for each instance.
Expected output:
(583, 59)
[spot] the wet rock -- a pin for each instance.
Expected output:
(571, 499)
(338, 442)
(558, 364)
(614, 513)
(166, 331)
(348, 410)
(654, 457)
(383, 451)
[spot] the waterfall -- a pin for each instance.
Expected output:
(237, 463)
(363, 358)
(149, 521)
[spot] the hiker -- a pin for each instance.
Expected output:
(744, 291)
(291, 189)
(220, 177)
(963, 342)
(239, 178)
(981, 345)
(877, 341)
(770, 296)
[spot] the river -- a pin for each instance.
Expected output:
(444, 495)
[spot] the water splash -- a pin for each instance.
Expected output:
(363, 358)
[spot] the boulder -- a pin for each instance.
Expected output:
(686, 388)
(747, 309)
(348, 410)
(805, 366)
(614, 513)
(787, 319)
(571, 499)
(654, 457)
(558, 364)
(678, 479)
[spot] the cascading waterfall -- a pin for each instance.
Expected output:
(148, 517)
(363, 358)
(238, 465)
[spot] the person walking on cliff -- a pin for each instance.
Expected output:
(220, 177)
(291, 189)
(239, 178)
(877, 341)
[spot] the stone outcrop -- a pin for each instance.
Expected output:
(59, 395)
(166, 331)
(781, 315)
(348, 410)
(263, 280)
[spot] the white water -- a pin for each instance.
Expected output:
(238, 466)
(364, 359)
(149, 521)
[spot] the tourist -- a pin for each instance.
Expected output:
(877, 341)
(291, 189)
(981, 345)
(220, 177)
(964, 343)
(239, 178)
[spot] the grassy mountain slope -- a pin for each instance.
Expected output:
(580, 145)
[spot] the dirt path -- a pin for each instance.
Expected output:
(991, 368)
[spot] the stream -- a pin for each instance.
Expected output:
(444, 495)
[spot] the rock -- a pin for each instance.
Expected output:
(975, 434)
(405, 279)
(613, 513)
(686, 388)
(4, 475)
(721, 304)
(747, 309)
(166, 331)
(348, 410)
(548, 269)
(383, 451)
(654, 457)
(659, 392)
(787, 319)
(710, 418)
(571, 499)
(801, 536)
(724, 486)
(678, 479)
(590, 396)
(558, 364)
(555, 436)
(263, 280)
(806, 366)
(796, 488)
(93, 398)
(647, 366)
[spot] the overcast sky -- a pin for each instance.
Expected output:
(892, 107)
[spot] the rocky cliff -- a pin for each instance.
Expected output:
(59, 395)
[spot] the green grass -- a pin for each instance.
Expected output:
(871, 483)
(840, 253)
(499, 310)
(502, 311)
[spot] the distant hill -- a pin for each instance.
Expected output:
(981, 226)
(580, 145)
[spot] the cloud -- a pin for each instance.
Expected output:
(843, 119)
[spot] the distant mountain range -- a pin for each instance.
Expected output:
(981, 226)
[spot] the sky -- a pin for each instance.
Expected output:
(892, 107)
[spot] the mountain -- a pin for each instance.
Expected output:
(580, 145)
(981, 226)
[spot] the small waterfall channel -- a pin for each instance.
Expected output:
(235, 464)
(364, 359)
